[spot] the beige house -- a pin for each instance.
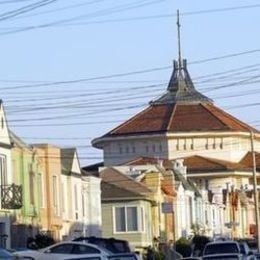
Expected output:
(133, 204)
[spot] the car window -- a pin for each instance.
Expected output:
(123, 257)
(221, 248)
(83, 249)
(61, 249)
(85, 258)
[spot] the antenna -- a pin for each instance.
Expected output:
(179, 39)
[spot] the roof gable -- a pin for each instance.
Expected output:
(69, 161)
(111, 191)
(112, 176)
(186, 183)
(4, 132)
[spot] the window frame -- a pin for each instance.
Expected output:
(140, 219)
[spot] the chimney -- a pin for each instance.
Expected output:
(179, 167)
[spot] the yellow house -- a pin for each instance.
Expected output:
(49, 159)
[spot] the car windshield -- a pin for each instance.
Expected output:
(221, 249)
(219, 257)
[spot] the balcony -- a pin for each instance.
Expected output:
(11, 196)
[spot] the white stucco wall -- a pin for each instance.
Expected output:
(220, 145)
(92, 193)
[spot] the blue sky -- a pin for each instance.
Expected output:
(72, 42)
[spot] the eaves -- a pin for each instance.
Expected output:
(220, 174)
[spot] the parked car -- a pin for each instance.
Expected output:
(65, 250)
(83, 257)
(126, 256)
(190, 258)
(219, 250)
(257, 256)
(112, 244)
(245, 250)
(6, 255)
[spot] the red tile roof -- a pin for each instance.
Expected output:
(177, 117)
(196, 164)
(204, 164)
(247, 160)
(148, 160)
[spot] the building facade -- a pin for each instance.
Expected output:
(183, 123)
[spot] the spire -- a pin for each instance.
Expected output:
(179, 38)
(180, 88)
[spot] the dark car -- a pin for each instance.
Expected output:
(112, 244)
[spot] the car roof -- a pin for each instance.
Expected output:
(222, 242)
(77, 243)
(83, 256)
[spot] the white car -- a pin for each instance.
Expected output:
(65, 250)
(119, 256)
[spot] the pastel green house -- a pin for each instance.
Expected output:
(25, 222)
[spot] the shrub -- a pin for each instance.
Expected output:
(183, 247)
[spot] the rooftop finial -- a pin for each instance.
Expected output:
(179, 39)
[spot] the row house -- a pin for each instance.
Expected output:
(149, 204)
(57, 198)
(147, 201)
(183, 124)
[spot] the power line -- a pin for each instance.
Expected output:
(159, 16)
(116, 75)
(119, 8)
(24, 9)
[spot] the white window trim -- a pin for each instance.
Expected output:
(56, 209)
(42, 201)
(139, 221)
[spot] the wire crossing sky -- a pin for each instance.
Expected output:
(73, 70)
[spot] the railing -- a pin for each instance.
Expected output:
(11, 196)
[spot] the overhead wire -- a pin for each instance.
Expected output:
(25, 9)
(118, 8)
(67, 22)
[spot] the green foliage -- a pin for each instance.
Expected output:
(154, 254)
(159, 255)
(199, 243)
(183, 247)
(40, 241)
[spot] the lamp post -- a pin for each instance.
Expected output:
(255, 190)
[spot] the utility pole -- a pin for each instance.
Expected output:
(255, 190)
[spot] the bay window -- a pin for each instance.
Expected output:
(129, 219)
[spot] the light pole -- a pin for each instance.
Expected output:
(255, 190)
